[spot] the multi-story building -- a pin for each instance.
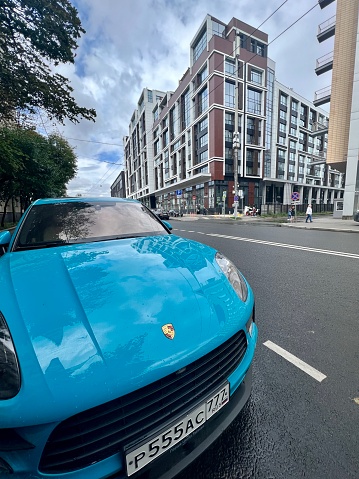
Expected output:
(118, 187)
(179, 151)
(138, 148)
(296, 146)
(190, 133)
(343, 131)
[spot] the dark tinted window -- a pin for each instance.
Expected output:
(77, 222)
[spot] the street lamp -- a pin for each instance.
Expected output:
(236, 147)
(236, 142)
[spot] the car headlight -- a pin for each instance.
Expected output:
(9, 366)
(234, 276)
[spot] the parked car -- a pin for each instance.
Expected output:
(175, 213)
(163, 215)
(119, 342)
(356, 216)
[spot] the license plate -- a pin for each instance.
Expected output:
(176, 432)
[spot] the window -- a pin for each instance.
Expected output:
(229, 119)
(218, 29)
(256, 76)
(149, 96)
(254, 101)
(155, 114)
(203, 156)
(252, 162)
(281, 155)
(156, 147)
(294, 105)
(282, 127)
(283, 99)
(260, 49)
(203, 75)
(165, 139)
(203, 124)
(242, 40)
(229, 94)
(293, 131)
(292, 145)
(250, 131)
(203, 100)
(199, 46)
(203, 140)
(228, 136)
(230, 67)
(294, 120)
(229, 153)
(282, 114)
(186, 109)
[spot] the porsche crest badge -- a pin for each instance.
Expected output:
(168, 330)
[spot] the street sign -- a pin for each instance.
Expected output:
(240, 193)
(179, 193)
(236, 199)
(295, 196)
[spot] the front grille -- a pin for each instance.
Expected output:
(104, 430)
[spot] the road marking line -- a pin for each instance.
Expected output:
(296, 361)
(281, 245)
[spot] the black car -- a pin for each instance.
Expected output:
(175, 213)
(163, 215)
(356, 216)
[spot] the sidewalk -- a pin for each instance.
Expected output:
(325, 223)
(320, 222)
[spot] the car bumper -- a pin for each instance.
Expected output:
(166, 465)
(193, 446)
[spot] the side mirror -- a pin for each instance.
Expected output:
(5, 237)
(167, 224)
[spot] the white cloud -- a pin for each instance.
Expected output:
(132, 44)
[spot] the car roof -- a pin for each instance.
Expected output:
(101, 199)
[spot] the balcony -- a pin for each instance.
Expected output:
(326, 29)
(324, 63)
(322, 96)
(318, 159)
(324, 3)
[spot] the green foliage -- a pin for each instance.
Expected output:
(32, 166)
(35, 37)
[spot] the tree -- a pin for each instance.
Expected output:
(35, 37)
(33, 166)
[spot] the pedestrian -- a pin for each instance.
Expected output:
(309, 213)
(289, 214)
(292, 214)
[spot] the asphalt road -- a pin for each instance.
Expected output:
(306, 285)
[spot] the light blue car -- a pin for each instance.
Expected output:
(125, 350)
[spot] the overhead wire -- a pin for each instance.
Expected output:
(235, 75)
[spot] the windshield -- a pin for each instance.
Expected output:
(84, 222)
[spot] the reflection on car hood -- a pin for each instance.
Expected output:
(93, 315)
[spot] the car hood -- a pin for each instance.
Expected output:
(88, 322)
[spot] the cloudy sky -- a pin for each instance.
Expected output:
(133, 44)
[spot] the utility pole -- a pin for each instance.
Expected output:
(236, 142)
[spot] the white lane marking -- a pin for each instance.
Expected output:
(296, 361)
(282, 245)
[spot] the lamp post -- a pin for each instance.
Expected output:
(236, 142)
(236, 146)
